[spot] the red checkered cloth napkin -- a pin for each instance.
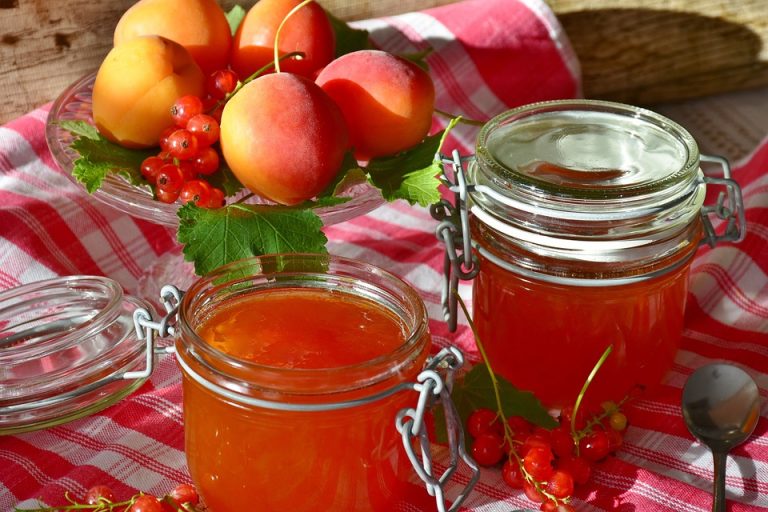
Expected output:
(489, 55)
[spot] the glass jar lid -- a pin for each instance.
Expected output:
(586, 179)
(64, 346)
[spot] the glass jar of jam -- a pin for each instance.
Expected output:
(584, 218)
(294, 369)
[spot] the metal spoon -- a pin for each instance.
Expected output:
(721, 406)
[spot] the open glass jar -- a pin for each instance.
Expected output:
(306, 378)
(578, 221)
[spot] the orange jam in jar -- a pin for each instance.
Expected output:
(584, 218)
(267, 357)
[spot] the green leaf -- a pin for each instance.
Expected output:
(475, 390)
(80, 128)
(225, 179)
(348, 39)
(99, 157)
(413, 174)
(214, 237)
(235, 17)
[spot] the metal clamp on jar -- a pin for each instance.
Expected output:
(578, 221)
(325, 438)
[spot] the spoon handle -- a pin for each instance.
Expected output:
(718, 501)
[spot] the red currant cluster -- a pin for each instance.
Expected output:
(187, 149)
(547, 464)
(100, 498)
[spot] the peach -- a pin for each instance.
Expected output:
(136, 86)
(200, 26)
(283, 137)
(386, 100)
(308, 31)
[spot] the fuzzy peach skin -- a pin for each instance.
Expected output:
(308, 31)
(283, 137)
(386, 100)
(136, 86)
(200, 26)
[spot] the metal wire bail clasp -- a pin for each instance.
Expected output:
(433, 389)
(459, 261)
(147, 329)
(729, 206)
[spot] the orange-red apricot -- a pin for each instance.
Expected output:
(386, 100)
(283, 137)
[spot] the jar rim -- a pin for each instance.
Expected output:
(323, 267)
(689, 164)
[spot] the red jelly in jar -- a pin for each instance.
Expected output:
(585, 217)
(267, 356)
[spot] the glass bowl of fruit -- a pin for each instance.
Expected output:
(117, 191)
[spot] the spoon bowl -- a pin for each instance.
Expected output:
(721, 406)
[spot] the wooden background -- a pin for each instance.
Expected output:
(636, 51)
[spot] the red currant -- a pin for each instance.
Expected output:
(483, 421)
(185, 108)
(207, 161)
(538, 463)
(487, 449)
(195, 191)
(577, 467)
(535, 441)
(170, 178)
(182, 144)
(562, 441)
(615, 440)
(512, 474)
(216, 200)
(205, 128)
(560, 484)
(99, 494)
(167, 197)
(595, 446)
(533, 494)
(164, 137)
(188, 170)
(519, 425)
(567, 413)
(146, 503)
(220, 83)
(185, 493)
(150, 167)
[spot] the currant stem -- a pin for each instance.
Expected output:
(280, 27)
(462, 119)
(590, 378)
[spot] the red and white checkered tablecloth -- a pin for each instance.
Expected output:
(489, 55)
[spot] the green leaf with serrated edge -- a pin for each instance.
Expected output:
(235, 17)
(225, 179)
(324, 202)
(348, 39)
(411, 175)
(475, 390)
(99, 157)
(80, 128)
(214, 237)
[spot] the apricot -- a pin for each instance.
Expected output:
(386, 100)
(283, 137)
(200, 26)
(136, 85)
(308, 31)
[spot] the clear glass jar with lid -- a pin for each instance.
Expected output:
(583, 219)
(306, 378)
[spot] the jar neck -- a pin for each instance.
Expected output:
(285, 272)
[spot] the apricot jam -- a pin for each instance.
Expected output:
(584, 219)
(267, 357)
